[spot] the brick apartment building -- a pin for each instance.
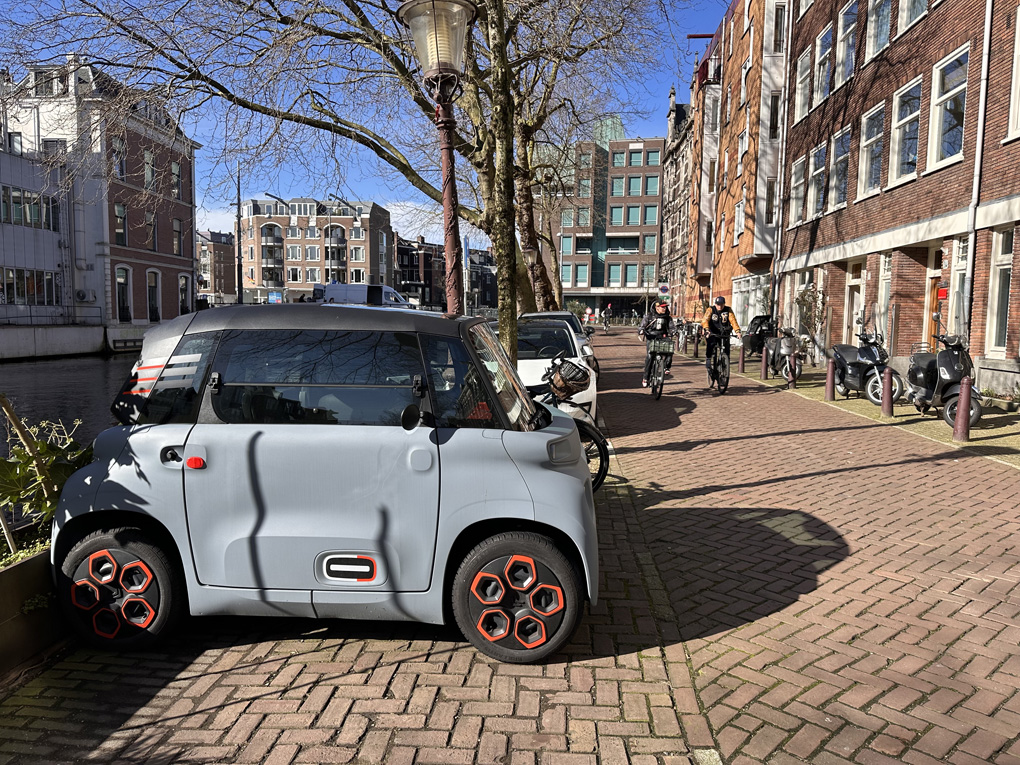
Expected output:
(607, 222)
(289, 246)
(126, 183)
(421, 274)
(901, 157)
(677, 182)
(216, 269)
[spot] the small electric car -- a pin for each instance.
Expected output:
(330, 461)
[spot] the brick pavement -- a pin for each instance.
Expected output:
(782, 582)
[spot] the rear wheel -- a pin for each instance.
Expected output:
(120, 590)
(842, 390)
(596, 451)
(873, 388)
(517, 598)
(658, 375)
(722, 372)
(949, 411)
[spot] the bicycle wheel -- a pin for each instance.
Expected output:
(658, 375)
(722, 372)
(711, 366)
(596, 450)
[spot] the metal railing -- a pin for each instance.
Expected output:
(50, 315)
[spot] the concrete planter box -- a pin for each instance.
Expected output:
(30, 622)
(1000, 403)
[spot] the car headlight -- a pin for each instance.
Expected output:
(586, 350)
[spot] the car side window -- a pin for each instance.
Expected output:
(315, 377)
(459, 396)
(168, 391)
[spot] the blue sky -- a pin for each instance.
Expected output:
(410, 212)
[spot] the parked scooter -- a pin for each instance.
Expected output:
(784, 351)
(760, 328)
(860, 368)
(933, 379)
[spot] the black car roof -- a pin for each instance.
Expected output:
(327, 316)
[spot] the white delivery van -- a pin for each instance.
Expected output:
(359, 294)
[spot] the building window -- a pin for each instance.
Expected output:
(357, 276)
(184, 295)
(619, 158)
(634, 158)
(311, 232)
(616, 186)
(584, 187)
(651, 185)
(582, 274)
(709, 236)
(779, 29)
(840, 174)
(725, 168)
(797, 192)
(869, 166)
(770, 202)
(816, 184)
(615, 216)
(634, 186)
(648, 244)
(151, 234)
(150, 170)
(745, 68)
(357, 254)
(312, 252)
(175, 172)
(585, 159)
(123, 295)
(845, 46)
(120, 225)
(712, 169)
(178, 243)
(152, 295)
(565, 274)
(293, 232)
(630, 275)
(14, 143)
(957, 318)
(312, 275)
(774, 115)
(633, 215)
(803, 102)
(647, 274)
(878, 27)
(741, 150)
(651, 215)
(293, 252)
(823, 65)
(614, 274)
(738, 221)
(583, 216)
(293, 274)
(722, 232)
(998, 292)
(653, 157)
(1014, 100)
(566, 245)
(118, 158)
(804, 5)
(729, 104)
(910, 11)
(713, 114)
(906, 118)
(357, 232)
(567, 217)
(945, 140)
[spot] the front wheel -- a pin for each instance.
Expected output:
(119, 590)
(949, 411)
(873, 388)
(722, 372)
(658, 376)
(798, 369)
(517, 598)
(594, 364)
(596, 451)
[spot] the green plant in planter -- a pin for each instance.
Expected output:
(42, 458)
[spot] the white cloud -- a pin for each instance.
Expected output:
(216, 220)
(412, 219)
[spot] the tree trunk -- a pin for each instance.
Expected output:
(557, 283)
(545, 300)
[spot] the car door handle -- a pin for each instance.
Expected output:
(171, 456)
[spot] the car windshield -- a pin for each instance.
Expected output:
(510, 391)
(543, 342)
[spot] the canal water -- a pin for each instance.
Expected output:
(66, 389)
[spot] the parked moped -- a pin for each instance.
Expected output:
(760, 328)
(861, 368)
(933, 379)
(785, 351)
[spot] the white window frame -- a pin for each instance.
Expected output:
(312, 275)
(712, 172)
(804, 5)
(1013, 130)
(626, 274)
(745, 68)
(957, 277)
(846, 45)
(865, 149)
(833, 160)
(1001, 261)
(312, 252)
(567, 217)
(823, 80)
(934, 116)
(802, 101)
(357, 254)
(357, 275)
(779, 28)
(293, 252)
(568, 268)
(567, 244)
(741, 150)
(159, 294)
(655, 180)
(770, 201)
(798, 197)
(293, 274)
(897, 127)
(722, 233)
(871, 47)
(581, 282)
(816, 180)
(902, 22)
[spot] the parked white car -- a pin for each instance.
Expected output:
(539, 341)
(581, 333)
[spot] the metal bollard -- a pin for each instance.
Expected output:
(961, 425)
(791, 368)
(740, 360)
(683, 350)
(887, 392)
(830, 380)
(697, 338)
(764, 364)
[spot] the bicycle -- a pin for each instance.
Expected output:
(719, 364)
(605, 325)
(660, 348)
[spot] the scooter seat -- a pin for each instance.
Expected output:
(926, 361)
(847, 352)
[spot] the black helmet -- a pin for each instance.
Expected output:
(720, 300)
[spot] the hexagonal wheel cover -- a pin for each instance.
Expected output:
(102, 566)
(106, 623)
(136, 577)
(487, 588)
(547, 599)
(520, 572)
(137, 612)
(84, 595)
(493, 624)
(530, 631)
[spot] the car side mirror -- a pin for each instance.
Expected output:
(410, 417)
(589, 331)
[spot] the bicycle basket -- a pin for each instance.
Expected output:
(660, 345)
(569, 378)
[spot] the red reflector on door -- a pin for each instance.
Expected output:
(195, 462)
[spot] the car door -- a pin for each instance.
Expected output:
(299, 474)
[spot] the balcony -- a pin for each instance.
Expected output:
(272, 241)
(336, 239)
(273, 284)
(272, 260)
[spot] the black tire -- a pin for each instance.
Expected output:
(594, 363)
(950, 407)
(492, 625)
(842, 390)
(722, 372)
(112, 612)
(596, 450)
(658, 375)
(873, 388)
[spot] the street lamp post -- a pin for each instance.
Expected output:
(439, 29)
(531, 260)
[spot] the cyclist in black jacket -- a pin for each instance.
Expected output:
(657, 323)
